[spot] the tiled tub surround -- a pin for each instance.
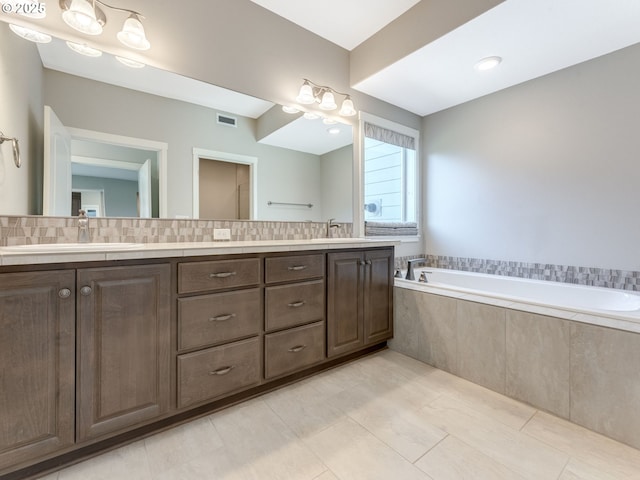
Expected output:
(595, 277)
(556, 360)
(19, 230)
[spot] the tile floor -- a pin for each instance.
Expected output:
(386, 416)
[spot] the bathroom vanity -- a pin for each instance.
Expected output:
(99, 348)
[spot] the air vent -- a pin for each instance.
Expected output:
(228, 121)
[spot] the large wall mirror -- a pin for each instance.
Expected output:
(152, 126)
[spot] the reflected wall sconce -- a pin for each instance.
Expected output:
(16, 148)
(87, 17)
(325, 97)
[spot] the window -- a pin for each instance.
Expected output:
(390, 180)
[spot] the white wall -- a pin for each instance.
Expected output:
(547, 171)
(21, 116)
(337, 184)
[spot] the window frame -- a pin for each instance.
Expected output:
(358, 193)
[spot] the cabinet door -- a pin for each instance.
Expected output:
(37, 363)
(378, 296)
(124, 347)
(345, 332)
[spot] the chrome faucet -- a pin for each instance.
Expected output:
(83, 227)
(410, 263)
(331, 225)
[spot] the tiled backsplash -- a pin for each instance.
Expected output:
(598, 277)
(18, 230)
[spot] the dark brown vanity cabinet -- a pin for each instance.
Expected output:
(294, 313)
(359, 299)
(124, 355)
(37, 364)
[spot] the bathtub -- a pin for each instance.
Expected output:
(615, 308)
(567, 349)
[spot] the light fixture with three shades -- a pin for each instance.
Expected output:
(325, 97)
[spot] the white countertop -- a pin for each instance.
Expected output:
(183, 249)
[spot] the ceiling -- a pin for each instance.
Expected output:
(533, 37)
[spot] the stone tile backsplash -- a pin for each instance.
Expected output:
(18, 230)
(597, 277)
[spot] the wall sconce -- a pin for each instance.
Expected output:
(88, 18)
(16, 148)
(325, 96)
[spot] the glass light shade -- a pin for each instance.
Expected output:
(82, 17)
(129, 63)
(84, 49)
(310, 116)
(132, 34)
(329, 121)
(328, 102)
(289, 109)
(347, 108)
(305, 96)
(29, 34)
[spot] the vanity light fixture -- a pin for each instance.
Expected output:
(84, 49)
(87, 17)
(311, 93)
(130, 63)
(30, 34)
(487, 63)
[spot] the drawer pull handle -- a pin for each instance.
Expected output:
(297, 348)
(296, 304)
(221, 371)
(222, 318)
(222, 275)
(297, 268)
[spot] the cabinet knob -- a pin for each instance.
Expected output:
(222, 318)
(222, 275)
(362, 263)
(368, 262)
(221, 371)
(297, 348)
(64, 293)
(86, 290)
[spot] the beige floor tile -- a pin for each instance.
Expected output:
(259, 441)
(52, 476)
(216, 465)
(181, 444)
(353, 453)
(589, 447)
(505, 410)
(403, 430)
(125, 463)
(576, 470)
(328, 475)
(452, 459)
(531, 459)
(304, 408)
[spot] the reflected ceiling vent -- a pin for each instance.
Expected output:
(226, 120)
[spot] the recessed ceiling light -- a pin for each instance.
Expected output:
(289, 109)
(488, 63)
(129, 63)
(29, 34)
(84, 49)
(334, 130)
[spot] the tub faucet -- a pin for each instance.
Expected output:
(330, 225)
(83, 227)
(410, 263)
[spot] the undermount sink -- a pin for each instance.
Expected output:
(71, 247)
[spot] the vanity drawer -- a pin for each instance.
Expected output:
(293, 349)
(218, 274)
(295, 304)
(295, 267)
(220, 317)
(214, 372)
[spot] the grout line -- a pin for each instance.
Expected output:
(535, 412)
(434, 446)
